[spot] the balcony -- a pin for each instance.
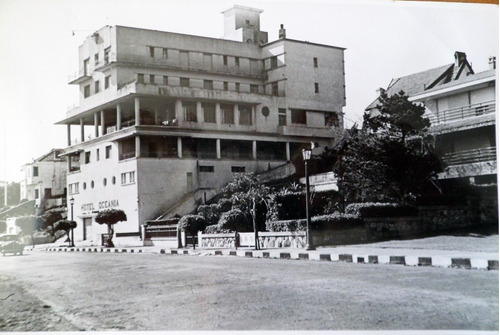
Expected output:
(461, 113)
(79, 77)
(303, 130)
(470, 156)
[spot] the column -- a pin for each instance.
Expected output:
(179, 147)
(254, 149)
(137, 111)
(82, 130)
(287, 151)
(96, 125)
(217, 113)
(118, 117)
(103, 126)
(178, 110)
(68, 130)
(199, 112)
(236, 114)
(217, 148)
(137, 147)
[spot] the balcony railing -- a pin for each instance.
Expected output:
(470, 156)
(464, 112)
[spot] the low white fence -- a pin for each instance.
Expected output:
(266, 240)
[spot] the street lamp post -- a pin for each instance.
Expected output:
(72, 202)
(306, 154)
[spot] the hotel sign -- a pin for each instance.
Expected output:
(90, 207)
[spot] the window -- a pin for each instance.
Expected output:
(226, 86)
(208, 112)
(237, 87)
(96, 86)
(227, 114)
(128, 178)
(224, 60)
(254, 89)
(274, 89)
(36, 194)
(73, 188)
(35, 171)
(140, 78)
(96, 59)
(299, 116)
(165, 80)
(238, 169)
(237, 61)
(105, 182)
(316, 87)
(245, 114)
(315, 61)
(106, 81)
(152, 52)
(184, 82)
(189, 109)
(86, 67)
(108, 151)
(87, 157)
(151, 78)
(113, 180)
(165, 53)
(204, 168)
(208, 84)
(281, 116)
(86, 91)
(97, 155)
(106, 55)
(84, 186)
(92, 184)
(274, 62)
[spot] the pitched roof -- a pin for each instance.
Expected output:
(414, 83)
(425, 81)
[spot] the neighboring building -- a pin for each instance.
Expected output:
(461, 106)
(45, 180)
(165, 118)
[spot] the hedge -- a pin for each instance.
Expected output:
(380, 209)
(322, 222)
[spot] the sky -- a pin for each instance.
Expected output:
(39, 42)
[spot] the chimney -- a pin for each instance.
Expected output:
(493, 62)
(460, 58)
(282, 33)
(380, 91)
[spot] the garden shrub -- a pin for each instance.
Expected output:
(335, 220)
(191, 224)
(379, 209)
(234, 220)
(286, 225)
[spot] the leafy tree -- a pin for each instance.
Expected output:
(51, 217)
(192, 224)
(30, 224)
(110, 217)
(397, 117)
(389, 159)
(65, 225)
(246, 194)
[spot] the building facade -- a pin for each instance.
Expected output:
(165, 119)
(44, 180)
(461, 106)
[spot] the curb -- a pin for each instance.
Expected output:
(406, 260)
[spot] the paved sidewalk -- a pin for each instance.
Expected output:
(470, 252)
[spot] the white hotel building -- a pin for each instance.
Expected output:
(166, 118)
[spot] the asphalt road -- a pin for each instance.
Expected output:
(44, 291)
